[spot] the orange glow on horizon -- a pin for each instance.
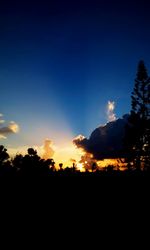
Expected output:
(68, 154)
(80, 167)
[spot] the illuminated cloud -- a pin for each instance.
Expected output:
(80, 137)
(2, 136)
(87, 161)
(48, 151)
(73, 160)
(105, 142)
(12, 128)
(80, 140)
(111, 116)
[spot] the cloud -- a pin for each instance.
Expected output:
(2, 136)
(105, 142)
(111, 116)
(73, 160)
(12, 128)
(48, 151)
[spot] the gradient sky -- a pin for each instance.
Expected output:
(62, 61)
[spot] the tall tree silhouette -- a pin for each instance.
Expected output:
(137, 137)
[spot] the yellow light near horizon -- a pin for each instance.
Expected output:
(114, 162)
(67, 153)
(80, 167)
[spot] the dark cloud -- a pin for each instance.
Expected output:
(105, 142)
(6, 130)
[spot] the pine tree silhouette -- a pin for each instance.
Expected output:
(137, 139)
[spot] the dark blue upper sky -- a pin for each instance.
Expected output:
(61, 61)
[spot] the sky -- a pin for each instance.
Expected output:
(62, 61)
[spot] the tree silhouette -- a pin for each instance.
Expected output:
(60, 166)
(51, 164)
(94, 166)
(5, 164)
(137, 138)
(31, 163)
(32, 152)
(74, 167)
(3, 155)
(18, 162)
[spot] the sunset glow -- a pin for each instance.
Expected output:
(71, 98)
(68, 155)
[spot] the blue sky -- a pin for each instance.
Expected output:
(60, 63)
